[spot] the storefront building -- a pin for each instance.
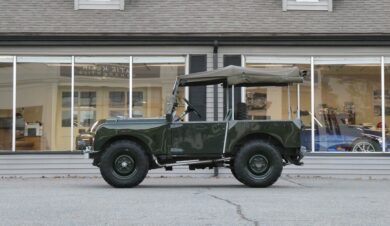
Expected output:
(57, 78)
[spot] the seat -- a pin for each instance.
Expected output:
(241, 111)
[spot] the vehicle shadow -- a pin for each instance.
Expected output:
(188, 186)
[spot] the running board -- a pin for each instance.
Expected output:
(190, 162)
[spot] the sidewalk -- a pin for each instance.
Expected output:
(194, 201)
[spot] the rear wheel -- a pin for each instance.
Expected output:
(258, 164)
(124, 164)
(365, 145)
(232, 170)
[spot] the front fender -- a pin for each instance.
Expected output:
(153, 136)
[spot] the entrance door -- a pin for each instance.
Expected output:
(195, 138)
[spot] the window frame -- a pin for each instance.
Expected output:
(99, 4)
(314, 5)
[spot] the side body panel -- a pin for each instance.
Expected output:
(152, 132)
(197, 138)
(286, 132)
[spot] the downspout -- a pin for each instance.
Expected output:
(215, 66)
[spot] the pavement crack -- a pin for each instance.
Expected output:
(294, 182)
(238, 209)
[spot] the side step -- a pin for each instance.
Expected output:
(190, 162)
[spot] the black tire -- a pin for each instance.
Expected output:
(258, 164)
(233, 171)
(124, 164)
(365, 145)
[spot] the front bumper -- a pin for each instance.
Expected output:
(88, 150)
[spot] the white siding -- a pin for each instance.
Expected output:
(210, 92)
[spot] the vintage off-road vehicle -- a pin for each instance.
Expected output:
(255, 150)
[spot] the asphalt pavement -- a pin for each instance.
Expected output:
(194, 201)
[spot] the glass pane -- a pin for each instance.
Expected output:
(117, 99)
(347, 107)
(66, 118)
(271, 103)
(117, 114)
(101, 85)
(152, 83)
(87, 118)
(88, 99)
(66, 99)
(387, 105)
(40, 95)
(6, 106)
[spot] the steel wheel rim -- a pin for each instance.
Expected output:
(124, 165)
(258, 164)
(363, 147)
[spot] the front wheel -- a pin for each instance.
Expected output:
(258, 164)
(124, 164)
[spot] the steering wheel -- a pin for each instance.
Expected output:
(191, 108)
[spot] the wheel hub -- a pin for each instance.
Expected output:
(258, 164)
(363, 147)
(124, 164)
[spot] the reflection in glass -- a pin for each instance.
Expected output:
(271, 103)
(88, 99)
(347, 108)
(102, 85)
(66, 99)
(387, 106)
(152, 83)
(43, 90)
(87, 118)
(66, 120)
(117, 99)
(6, 107)
(117, 114)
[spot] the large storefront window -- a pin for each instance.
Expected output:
(347, 104)
(272, 103)
(6, 70)
(44, 108)
(40, 82)
(153, 79)
(101, 91)
(387, 102)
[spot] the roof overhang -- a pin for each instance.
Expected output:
(223, 39)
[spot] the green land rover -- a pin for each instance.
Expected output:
(254, 150)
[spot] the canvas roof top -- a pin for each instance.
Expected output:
(241, 76)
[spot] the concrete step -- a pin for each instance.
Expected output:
(59, 165)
